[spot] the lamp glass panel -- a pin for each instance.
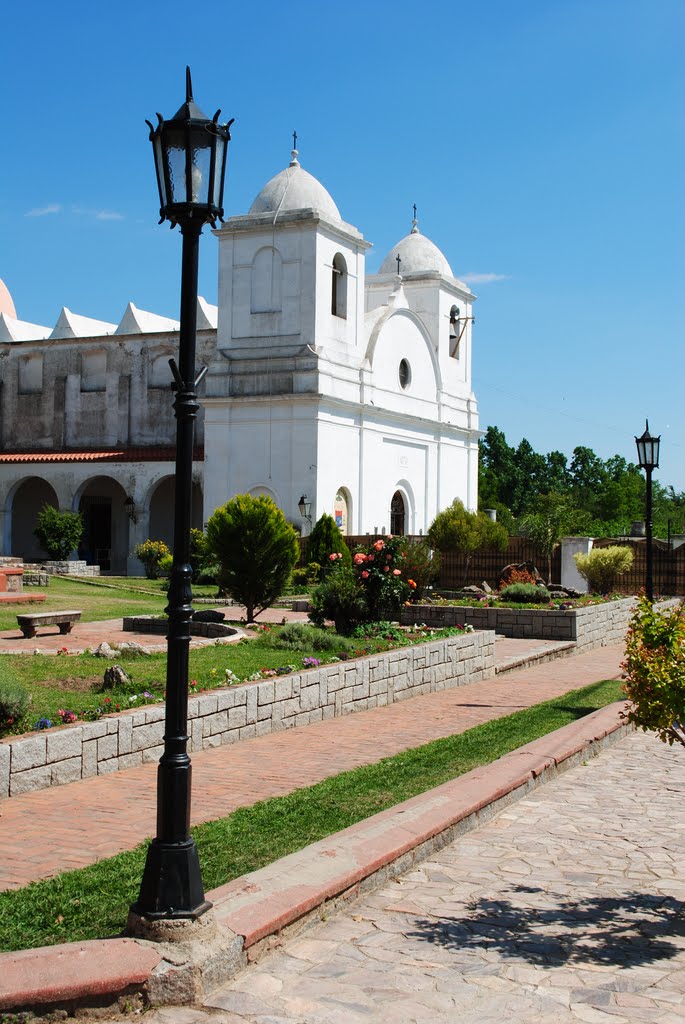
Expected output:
(202, 161)
(175, 154)
(159, 167)
(218, 170)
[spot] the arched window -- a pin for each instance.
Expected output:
(341, 510)
(266, 281)
(397, 514)
(339, 287)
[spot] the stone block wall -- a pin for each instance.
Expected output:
(68, 753)
(592, 626)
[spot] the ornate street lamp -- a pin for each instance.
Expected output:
(190, 160)
(305, 508)
(648, 459)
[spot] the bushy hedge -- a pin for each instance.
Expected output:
(525, 593)
(601, 567)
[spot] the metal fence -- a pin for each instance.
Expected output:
(668, 566)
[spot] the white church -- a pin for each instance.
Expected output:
(353, 391)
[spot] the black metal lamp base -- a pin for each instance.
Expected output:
(172, 884)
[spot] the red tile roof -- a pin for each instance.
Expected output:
(151, 454)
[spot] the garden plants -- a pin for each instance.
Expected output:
(58, 532)
(654, 669)
(601, 567)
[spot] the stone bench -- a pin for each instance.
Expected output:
(65, 620)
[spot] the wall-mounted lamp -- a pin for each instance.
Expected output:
(305, 508)
(131, 510)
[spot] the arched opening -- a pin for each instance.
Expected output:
(162, 510)
(266, 281)
(341, 510)
(104, 542)
(398, 515)
(456, 331)
(29, 498)
(339, 286)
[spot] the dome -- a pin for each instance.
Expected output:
(417, 254)
(295, 189)
(6, 304)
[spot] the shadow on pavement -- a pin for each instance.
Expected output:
(623, 931)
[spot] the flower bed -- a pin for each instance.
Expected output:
(56, 756)
(590, 626)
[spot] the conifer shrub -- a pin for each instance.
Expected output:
(525, 593)
(299, 636)
(601, 567)
(256, 549)
(324, 542)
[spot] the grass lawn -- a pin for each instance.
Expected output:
(93, 902)
(74, 682)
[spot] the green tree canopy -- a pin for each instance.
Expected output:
(256, 549)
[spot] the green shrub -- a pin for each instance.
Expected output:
(14, 703)
(256, 549)
(525, 593)
(298, 636)
(601, 567)
(58, 532)
(151, 553)
(307, 577)
(324, 541)
(340, 598)
(420, 566)
(654, 669)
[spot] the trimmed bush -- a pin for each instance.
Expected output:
(340, 598)
(525, 593)
(151, 553)
(601, 567)
(14, 703)
(298, 636)
(58, 532)
(256, 549)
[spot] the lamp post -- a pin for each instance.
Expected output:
(190, 160)
(648, 459)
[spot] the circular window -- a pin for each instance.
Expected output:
(405, 374)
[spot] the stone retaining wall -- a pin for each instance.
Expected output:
(594, 625)
(68, 753)
(160, 627)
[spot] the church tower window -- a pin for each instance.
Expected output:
(339, 287)
(404, 374)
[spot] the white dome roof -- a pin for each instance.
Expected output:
(6, 304)
(295, 189)
(417, 253)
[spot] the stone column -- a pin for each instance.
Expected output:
(570, 546)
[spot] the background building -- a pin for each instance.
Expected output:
(353, 390)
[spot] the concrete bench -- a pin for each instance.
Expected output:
(65, 620)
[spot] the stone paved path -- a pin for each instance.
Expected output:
(567, 907)
(65, 827)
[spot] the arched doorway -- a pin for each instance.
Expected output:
(162, 510)
(29, 498)
(102, 505)
(398, 515)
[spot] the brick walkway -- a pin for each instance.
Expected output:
(66, 827)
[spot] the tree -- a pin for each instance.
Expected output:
(456, 529)
(151, 553)
(256, 549)
(326, 540)
(547, 524)
(58, 532)
(655, 671)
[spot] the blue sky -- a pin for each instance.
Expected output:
(542, 142)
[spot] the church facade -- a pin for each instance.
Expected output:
(351, 390)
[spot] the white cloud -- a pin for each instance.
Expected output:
(84, 211)
(43, 211)
(483, 278)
